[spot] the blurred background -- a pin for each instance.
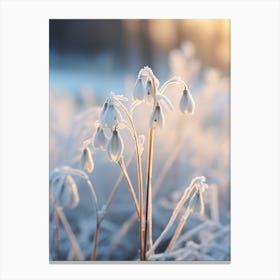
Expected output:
(94, 55)
(90, 58)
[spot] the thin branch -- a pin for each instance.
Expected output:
(71, 236)
(140, 182)
(123, 168)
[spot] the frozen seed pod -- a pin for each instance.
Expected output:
(115, 146)
(187, 104)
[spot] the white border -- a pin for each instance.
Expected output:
(255, 138)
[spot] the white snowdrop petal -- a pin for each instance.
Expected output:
(66, 192)
(139, 90)
(113, 116)
(191, 104)
(100, 140)
(187, 104)
(115, 146)
(150, 89)
(103, 113)
(72, 189)
(86, 160)
(157, 118)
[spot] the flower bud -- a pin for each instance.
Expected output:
(115, 146)
(139, 91)
(86, 160)
(187, 104)
(157, 117)
(100, 139)
(65, 192)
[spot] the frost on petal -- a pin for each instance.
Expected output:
(66, 192)
(103, 113)
(157, 118)
(187, 104)
(74, 198)
(115, 146)
(100, 140)
(150, 89)
(112, 117)
(86, 160)
(139, 91)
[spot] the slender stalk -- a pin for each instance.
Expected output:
(57, 236)
(71, 235)
(97, 227)
(179, 228)
(112, 194)
(123, 168)
(175, 80)
(148, 190)
(95, 241)
(168, 163)
(148, 217)
(140, 182)
(173, 217)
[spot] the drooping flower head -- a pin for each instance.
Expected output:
(157, 117)
(115, 146)
(86, 159)
(187, 105)
(110, 115)
(146, 85)
(139, 91)
(64, 191)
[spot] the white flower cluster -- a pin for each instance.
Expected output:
(146, 90)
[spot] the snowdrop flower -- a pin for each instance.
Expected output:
(157, 117)
(65, 191)
(187, 104)
(139, 91)
(100, 139)
(115, 146)
(110, 115)
(147, 73)
(86, 160)
(146, 85)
